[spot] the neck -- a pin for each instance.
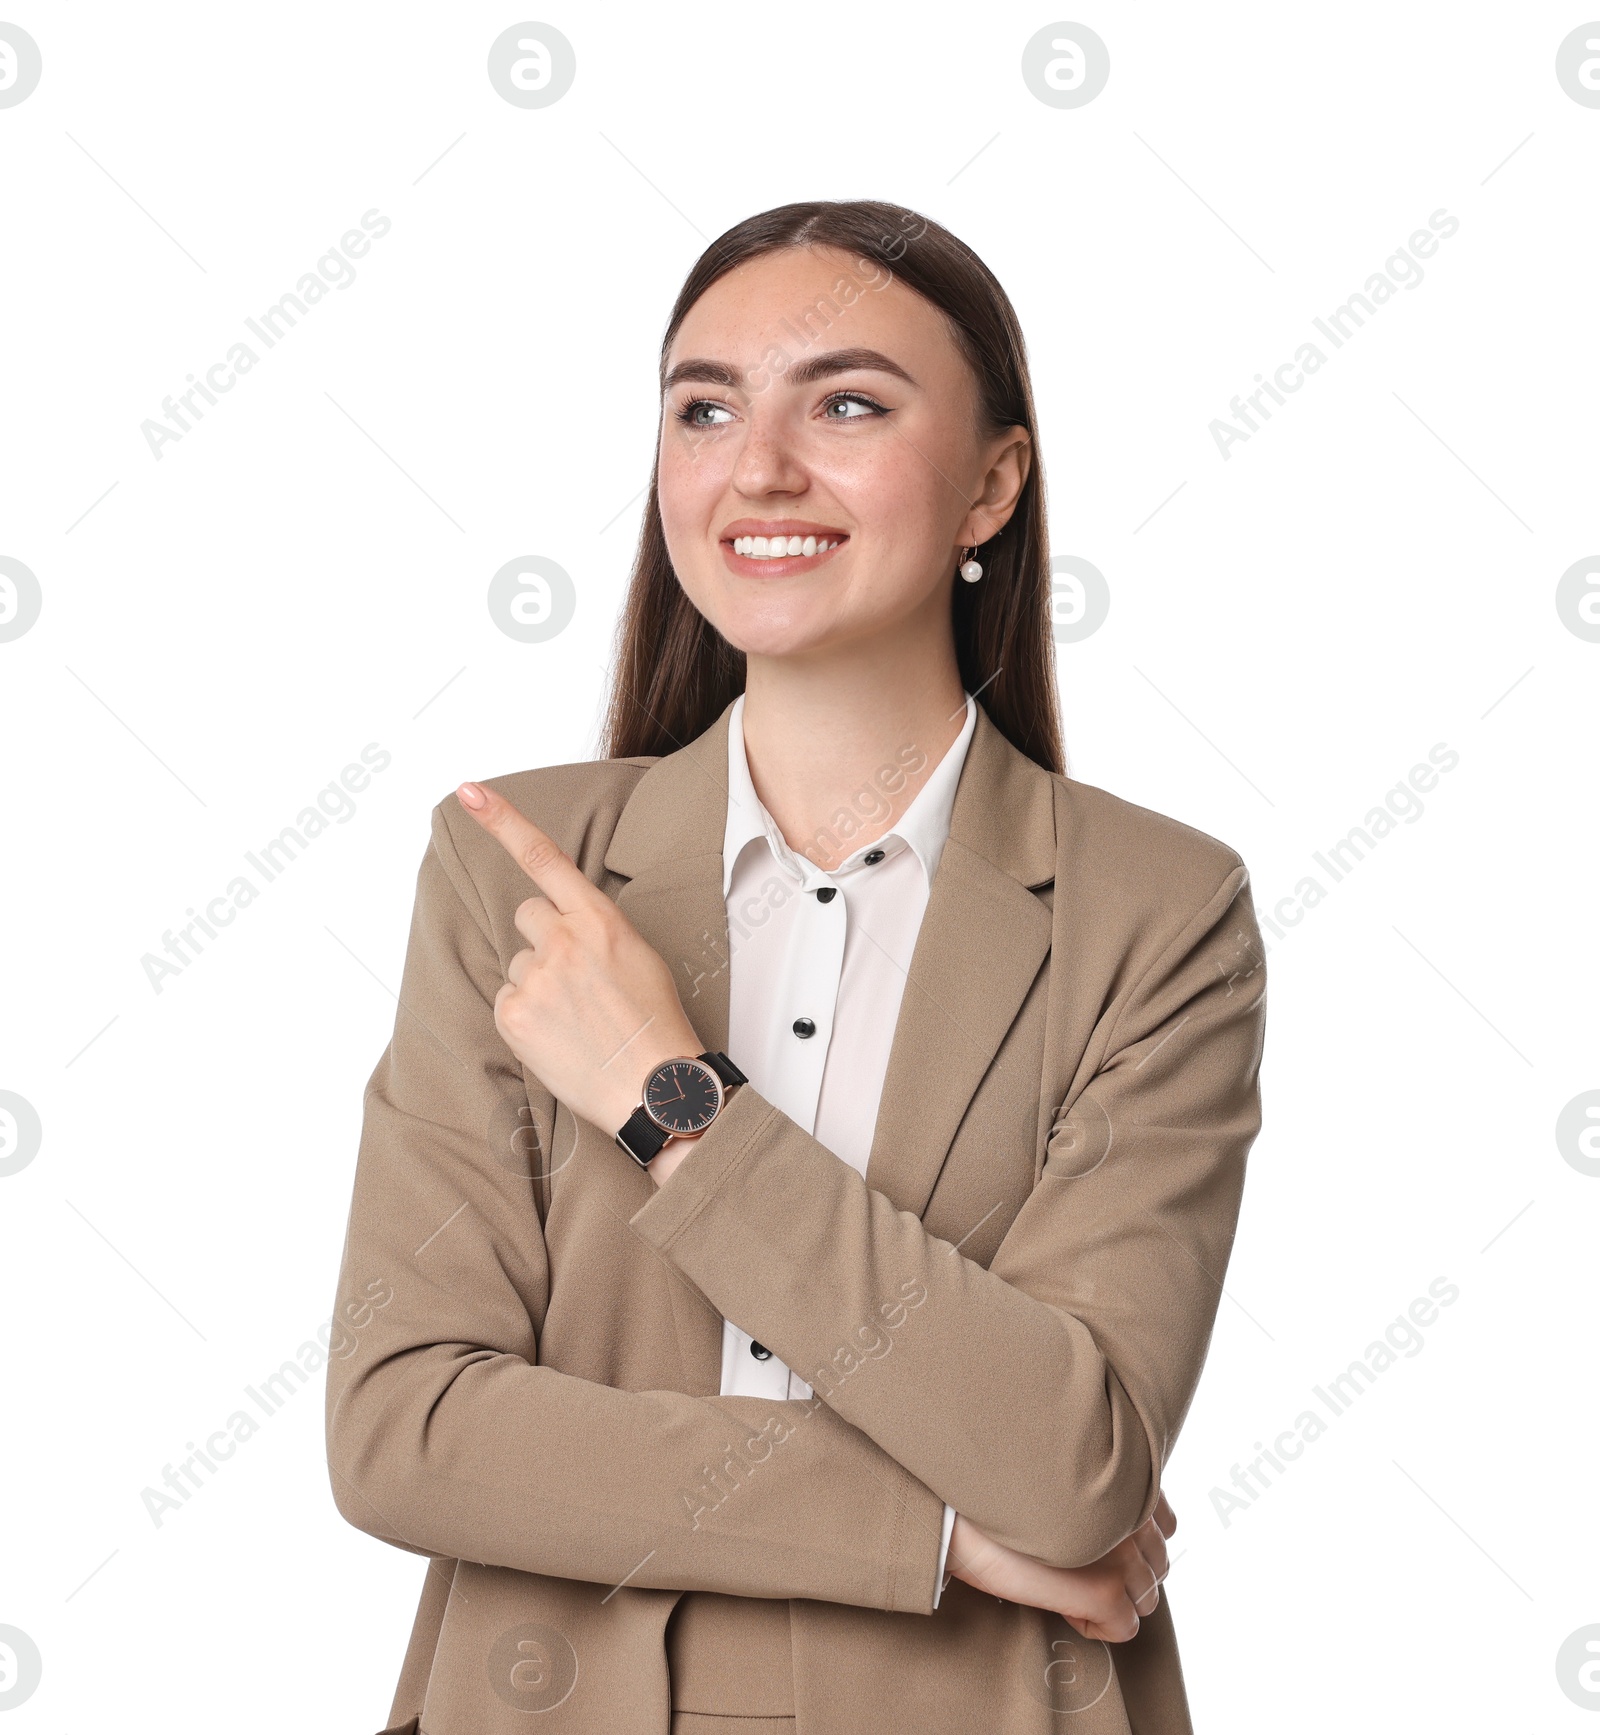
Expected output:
(838, 752)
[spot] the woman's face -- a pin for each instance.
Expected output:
(811, 394)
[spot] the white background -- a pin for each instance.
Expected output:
(1291, 629)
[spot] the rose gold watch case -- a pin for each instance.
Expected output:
(710, 1072)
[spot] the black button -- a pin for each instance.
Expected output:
(873, 857)
(804, 1027)
(760, 1351)
(825, 894)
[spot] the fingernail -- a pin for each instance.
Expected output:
(471, 795)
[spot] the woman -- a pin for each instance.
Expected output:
(810, 1147)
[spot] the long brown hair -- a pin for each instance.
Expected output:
(674, 673)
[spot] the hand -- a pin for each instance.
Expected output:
(590, 1007)
(1103, 1600)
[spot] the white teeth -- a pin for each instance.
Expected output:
(781, 547)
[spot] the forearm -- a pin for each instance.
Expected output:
(450, 1432)
(998, 1401)
(484, 1457)
(1039, 1396)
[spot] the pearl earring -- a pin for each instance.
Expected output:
(970, 570)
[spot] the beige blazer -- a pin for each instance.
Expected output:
(1010, 1312)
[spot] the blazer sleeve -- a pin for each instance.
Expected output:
(1040, 1396)
(446, 1436)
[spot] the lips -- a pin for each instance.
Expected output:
(770, 527)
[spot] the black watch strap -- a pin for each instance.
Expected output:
(724, 1069)
(641, 1138)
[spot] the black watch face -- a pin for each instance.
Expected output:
(682, 1096)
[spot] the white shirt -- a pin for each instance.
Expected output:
(841, 963)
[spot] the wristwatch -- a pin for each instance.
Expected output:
(681, 1098)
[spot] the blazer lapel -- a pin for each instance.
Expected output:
(982, 940)
(668, 842)
(983, 937)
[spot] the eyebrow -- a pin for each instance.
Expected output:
(804, 373)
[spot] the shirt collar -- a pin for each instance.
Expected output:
(924, 827)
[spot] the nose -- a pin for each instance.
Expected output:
(768, 462)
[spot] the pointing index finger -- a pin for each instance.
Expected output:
(539, 856)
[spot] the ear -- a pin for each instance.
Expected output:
(1009, 457)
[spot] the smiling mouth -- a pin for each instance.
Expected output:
(779, 556)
